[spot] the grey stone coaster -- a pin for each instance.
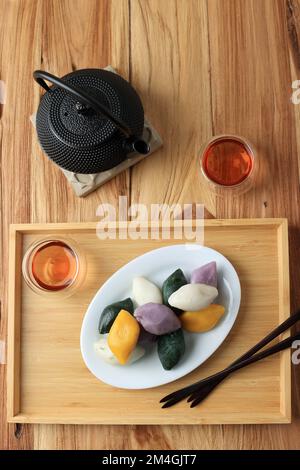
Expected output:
(85, 184)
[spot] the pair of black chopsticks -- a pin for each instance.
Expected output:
(199, 390)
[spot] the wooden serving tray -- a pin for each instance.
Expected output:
(49, 383)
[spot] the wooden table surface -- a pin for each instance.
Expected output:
(202, 67)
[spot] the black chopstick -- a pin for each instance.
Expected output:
(180, 394)
(205, 390)
(273, 334)
(286, 343)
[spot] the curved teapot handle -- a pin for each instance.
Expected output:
(40, 76)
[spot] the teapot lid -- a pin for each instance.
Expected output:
(78, 126)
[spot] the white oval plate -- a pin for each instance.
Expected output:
(156, 266)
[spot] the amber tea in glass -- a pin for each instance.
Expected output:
(54, 265)
(51, 265)
(228, 162)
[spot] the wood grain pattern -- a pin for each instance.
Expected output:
(261, 73)
(173, 76)
(240, 82)
(40, 384)
(17, 24)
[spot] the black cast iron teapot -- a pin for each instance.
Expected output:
(89, 120)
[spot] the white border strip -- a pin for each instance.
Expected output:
(2, 92)
(2, 352)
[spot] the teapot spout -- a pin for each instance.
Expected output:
(135, 144)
